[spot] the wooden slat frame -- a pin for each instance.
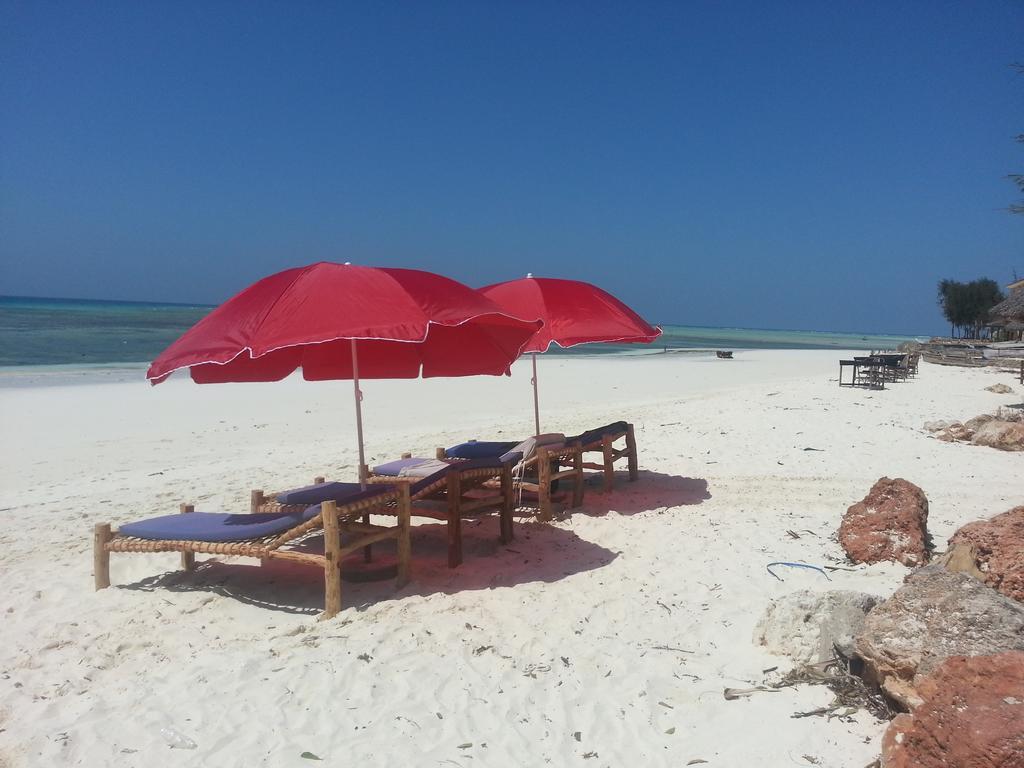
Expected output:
(611, 454)
(452, 489)
(333, 519)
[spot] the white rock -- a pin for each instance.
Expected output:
(805, 625)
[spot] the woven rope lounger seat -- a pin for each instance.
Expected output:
(451, 493)
(272, 534)
(540, 470)
(602, 440)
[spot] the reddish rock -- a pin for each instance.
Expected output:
(889, 524)
(937, 614)
(971, 716)
(1004, 435)
(998, 545)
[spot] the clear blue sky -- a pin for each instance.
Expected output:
(766, 164)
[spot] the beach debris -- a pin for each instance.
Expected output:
(935, 614)
(938, 425)
(795, 565)
(577, 735)
(696, 761)
(971, 713)
(819, 450)
(890, 523)
(670, 648)
(670, 731)
(310, 756)
(589, 755)
(731, 694)
(793, 534)
(999, 389)
(851, 693)
(533, 669)
(811, 627)
(175, 739)
(365, 657)
(467, 745)
(993, 551)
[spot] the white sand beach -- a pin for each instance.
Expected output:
(605, 638)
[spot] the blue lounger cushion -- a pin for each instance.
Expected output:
(393, 468)
(478, 449)
(343, 493)
(487, 463)
(217, 526)
(596, 435)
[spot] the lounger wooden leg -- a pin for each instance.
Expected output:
(368, 549)
(507, 505)
(188, 559)
(544, 486)
(577, 478)
(609, 463)
(100, 555)
(404, 542)
(454, 520)
(634, 466)
(332, 558)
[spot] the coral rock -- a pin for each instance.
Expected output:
(1004, 435)
(998, 548)
(971, 715)
(934, 615)
(809, 627)
(889, 524)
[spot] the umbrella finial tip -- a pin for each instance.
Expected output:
(348, 263)
(529, 274)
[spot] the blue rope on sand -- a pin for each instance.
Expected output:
(796, 565)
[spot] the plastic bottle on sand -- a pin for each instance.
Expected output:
(176, 740)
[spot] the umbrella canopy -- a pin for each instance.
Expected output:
(404, 323)
(339, 321)
(573, 312)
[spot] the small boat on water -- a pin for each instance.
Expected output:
(723, 354)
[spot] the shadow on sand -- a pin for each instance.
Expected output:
(652, 491)
(539, 553)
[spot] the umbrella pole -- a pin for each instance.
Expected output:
(359, 414)
(536, 396)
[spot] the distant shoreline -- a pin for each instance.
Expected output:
(79, 334)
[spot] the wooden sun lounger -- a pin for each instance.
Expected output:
(334, 520)
(605, 445)
(448, 498)
(547, 465)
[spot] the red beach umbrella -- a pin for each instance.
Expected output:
(340, 321)
(573, 312)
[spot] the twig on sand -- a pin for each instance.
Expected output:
(731, 694)
(796, 565)
(669, 648)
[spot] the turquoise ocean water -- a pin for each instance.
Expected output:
(76, 332)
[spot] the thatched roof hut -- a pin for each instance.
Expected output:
(1009, 310)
